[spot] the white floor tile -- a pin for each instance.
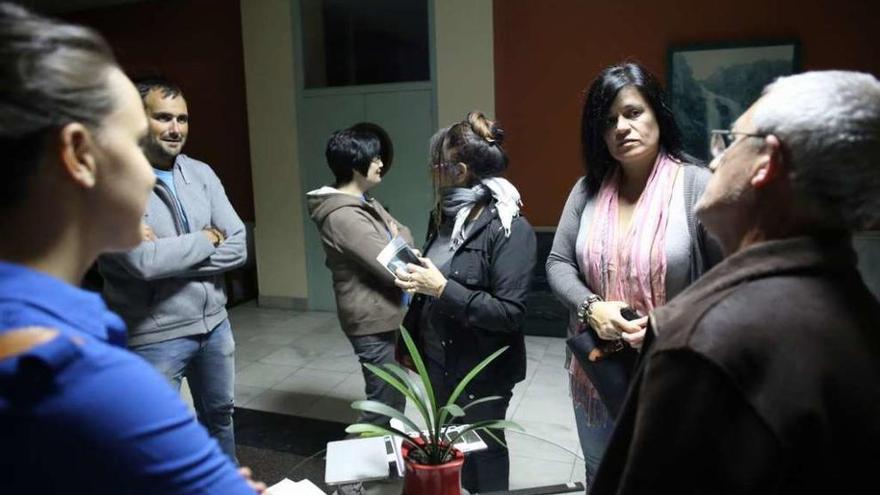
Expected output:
(556, 350)
(526, 472)
(564, 437)
(323, 342)
(334, 361)
(289, 356)
(273, 338)
(284, 402)
(350, 389)
(244, 394)
(533, 445)
(263, 375)
(315, 382)
(333, 409)
(549, 378)
(250, 352)
(315, 321)
(553, 409)
(240, 364)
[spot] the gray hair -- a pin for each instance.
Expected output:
(52, 73)
(829, 126)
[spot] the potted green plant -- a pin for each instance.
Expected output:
(433, 465)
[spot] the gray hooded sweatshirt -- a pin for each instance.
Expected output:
(173, 287)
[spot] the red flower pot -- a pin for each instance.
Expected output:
(424, 479)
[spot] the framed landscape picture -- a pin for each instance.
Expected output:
(711, 85)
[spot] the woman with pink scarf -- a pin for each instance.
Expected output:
(627, 241)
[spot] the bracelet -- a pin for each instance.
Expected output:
(583, 312)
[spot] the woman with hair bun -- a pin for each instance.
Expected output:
(470, 295)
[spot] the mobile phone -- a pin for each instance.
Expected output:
(629, 313)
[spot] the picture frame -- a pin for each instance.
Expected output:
(711, 85)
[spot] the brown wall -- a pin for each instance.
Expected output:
(547, 52)
(198, 44)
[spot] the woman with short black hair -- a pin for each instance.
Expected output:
(354, 228)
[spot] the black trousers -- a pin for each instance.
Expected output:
(377, 349)
(485, 470)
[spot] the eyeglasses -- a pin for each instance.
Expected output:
(720, 140)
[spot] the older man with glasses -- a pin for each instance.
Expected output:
(763, 375)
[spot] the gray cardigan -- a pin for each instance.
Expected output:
(563, 272)
(173, 287)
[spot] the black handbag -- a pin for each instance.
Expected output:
(610, 374)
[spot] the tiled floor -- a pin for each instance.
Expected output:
(301, 364)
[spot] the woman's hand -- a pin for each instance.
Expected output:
(248, 475)
(635, 339)
(609, 324)
(421, 279)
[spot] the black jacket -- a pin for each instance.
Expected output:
(483, 305)
(763, 378)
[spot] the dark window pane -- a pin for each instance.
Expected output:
(353, 42)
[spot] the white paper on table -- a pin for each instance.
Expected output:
(356, 459)
(288, 487)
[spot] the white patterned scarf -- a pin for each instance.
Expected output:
(460, 201)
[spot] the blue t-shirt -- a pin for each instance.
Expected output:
(167, 178)
(81, 414)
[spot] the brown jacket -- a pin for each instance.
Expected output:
(353, 232)
(764, 377)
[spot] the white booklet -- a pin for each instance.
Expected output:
(397, 254)
(356, 459)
